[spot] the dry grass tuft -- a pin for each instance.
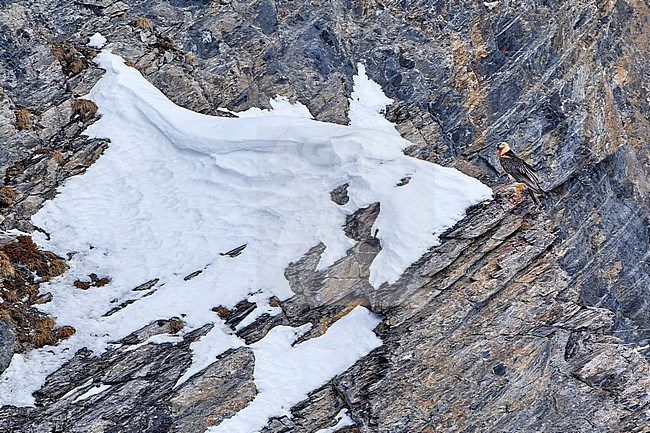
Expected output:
(5, 316)
(164, 43)
(23, 251)
(84, 108)
(23, 118)
(10, 295)
(76, 66)
(64, 332)
(45, 323)
(91, 53)
(222, 311)
(57, 156)
(175, 325)
(17, 316)
(57, 266)
(20, 292)
(102, 282)
(42, 338)
(31, 291)
(83, 285)
(62, 52)
(42, 335)
(274, 302)
(142, 23)
(7, 269)
(98, 282)
(7, 194)
(71, 60)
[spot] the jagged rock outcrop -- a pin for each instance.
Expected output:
(522, 319)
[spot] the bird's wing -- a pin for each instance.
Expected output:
(520, 170)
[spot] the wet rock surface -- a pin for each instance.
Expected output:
(522, 319)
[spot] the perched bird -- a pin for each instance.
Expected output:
(519, 171)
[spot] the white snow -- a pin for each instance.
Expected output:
(285, 374)
(261, 307)
(343, 419)
(205, 350)
(97, 41)
(367, 104)
(155, 339)
(491, 5)
(175, 188)
(75, 390)
(280, 106)
(97, 389)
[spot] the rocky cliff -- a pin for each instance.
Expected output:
(521, 320)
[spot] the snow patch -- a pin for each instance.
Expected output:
(280, 106)
(205, 350)
(285, 374)
(97, 389)
(491, 5)
(343, 419)
(261, 307)
(97, 41)
(368, 103)
(156, 339)
(75, 390)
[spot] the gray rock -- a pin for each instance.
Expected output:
(7, 339)
(216, 393)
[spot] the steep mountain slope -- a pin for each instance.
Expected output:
(520, 320)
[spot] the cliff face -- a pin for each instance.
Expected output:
(523, 319)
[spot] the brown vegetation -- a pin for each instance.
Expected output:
(64, 332)
(83, 285)
(84, 108)
(24, 253)
(45, 323)
(222, 311)
(57, 156)
(142, 23)
(99, 282)
(6, 196)
(71, 60)
(95, 281)
(164, 43)
(57, 266)
(15, 169)
(42, 335)
(19, 292)
(23, 118)
(42, 338)
(7, 269)
(10, 295)
(102, 282)
(175, 325)
(30, 292)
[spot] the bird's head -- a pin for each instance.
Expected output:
(503, 147)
